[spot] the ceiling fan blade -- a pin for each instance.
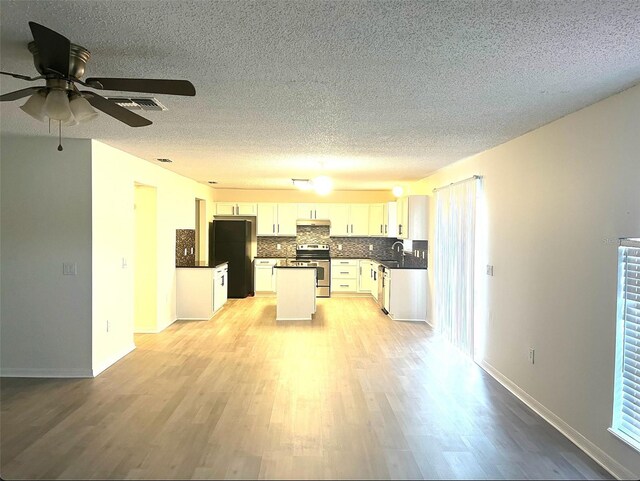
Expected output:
(109, 107)
(153, 86)
(53, 49)
(18, 94)
(21, 77)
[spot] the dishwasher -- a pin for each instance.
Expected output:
(383, 288)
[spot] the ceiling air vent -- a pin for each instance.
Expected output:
(146, 103)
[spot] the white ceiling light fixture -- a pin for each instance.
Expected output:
(323, 185)
(397, 191)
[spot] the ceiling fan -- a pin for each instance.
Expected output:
(61, 65)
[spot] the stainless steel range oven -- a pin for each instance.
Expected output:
(317, 255)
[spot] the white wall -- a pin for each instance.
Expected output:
(557, 199)
(45, 198)
(114, 174)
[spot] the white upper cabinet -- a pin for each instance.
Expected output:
(339, 217)
(391, 219)
(277, 219)
(225, 208)
(413, 217)
(287, 216)
(376, 220)
(382, 220)
(236, 208)
(267, 219)
(359, 219)
(349, 220)
(313, 211)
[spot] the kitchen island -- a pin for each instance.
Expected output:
(201, 290)
(295, 292)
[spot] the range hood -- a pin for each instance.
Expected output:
(305, 222)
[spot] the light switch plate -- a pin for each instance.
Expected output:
(370, 247)
(69, 269)
(489, 270)
(339, 247)
(278, 246)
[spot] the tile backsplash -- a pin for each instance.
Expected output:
(351, 246)
(185, 242)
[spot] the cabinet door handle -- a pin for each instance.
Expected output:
(352, 228)
(385, 228)
(274, 228)
(360, 270)
(400, 229)
(278, 228)
(380, 228)
(342, 272)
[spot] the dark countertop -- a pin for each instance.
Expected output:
(388, 263)
(285, 264)
(202, 265)
(294, 267)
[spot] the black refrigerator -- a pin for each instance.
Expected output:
(230, 241)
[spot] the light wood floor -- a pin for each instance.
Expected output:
(351, 394)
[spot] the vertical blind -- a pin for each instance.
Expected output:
(626, 418)
(454, 259)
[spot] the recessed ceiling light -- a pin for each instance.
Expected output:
(168, 161)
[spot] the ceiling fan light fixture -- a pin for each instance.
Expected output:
(34, 106)
(56, 105)
(81, 109)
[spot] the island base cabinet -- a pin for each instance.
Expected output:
(194, 293)
(295, 293)
(220, 287)
(407, 294)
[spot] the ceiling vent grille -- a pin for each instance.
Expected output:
(146, 103)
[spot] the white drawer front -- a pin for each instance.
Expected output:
(266, 262)
(343, 262)
(344, 285)
(344, 272)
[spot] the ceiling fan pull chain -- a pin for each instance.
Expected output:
(60, 136)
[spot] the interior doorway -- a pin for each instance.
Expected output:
(145, 272)
(201, 230)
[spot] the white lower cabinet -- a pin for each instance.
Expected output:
(265, 278)
(344, 275)
(220, 288)
(364, 275)
(200, 291)
(374, 279)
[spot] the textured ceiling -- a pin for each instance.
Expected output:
(370, 93)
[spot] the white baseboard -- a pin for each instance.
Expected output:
(45, 372)
(593, 451)
(113, 359)
(406, 320)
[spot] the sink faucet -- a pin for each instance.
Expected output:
(398, 242)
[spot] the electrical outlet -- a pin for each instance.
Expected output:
(278, 246)
(532, 355)
(339, 247)
(423, 254)
(489, 270)
(370, 247)
(124, 262)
